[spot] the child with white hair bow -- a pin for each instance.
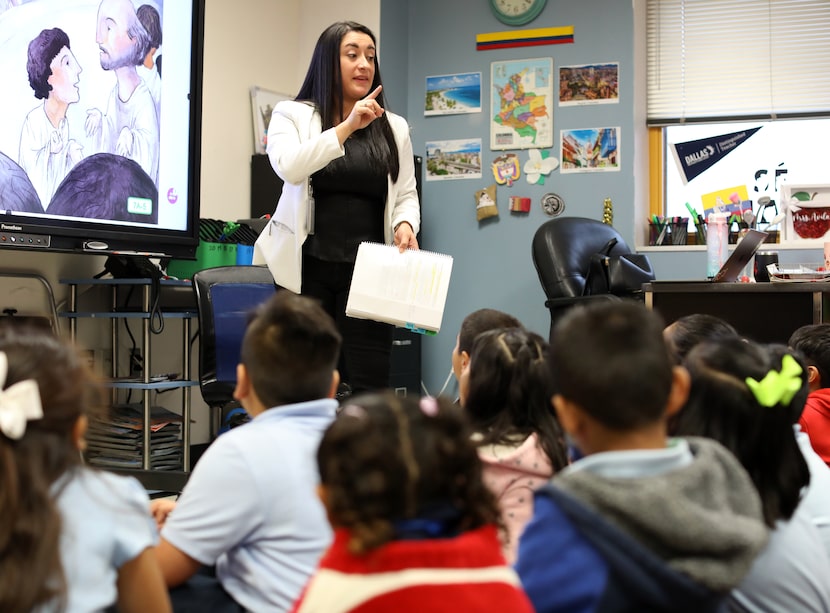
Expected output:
(73, 538)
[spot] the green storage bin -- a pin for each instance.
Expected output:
(208, 255)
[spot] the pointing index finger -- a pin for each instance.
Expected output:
(375, 93)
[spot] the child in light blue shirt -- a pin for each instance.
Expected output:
(72, 539)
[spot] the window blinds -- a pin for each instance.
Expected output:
(723, 60)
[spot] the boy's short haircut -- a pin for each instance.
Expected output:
(290, 350)
(611, 360)
(813, 343)
(480, 321)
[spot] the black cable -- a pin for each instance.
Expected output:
(156, 317)
(132, 340)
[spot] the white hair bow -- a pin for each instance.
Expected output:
(19, 403)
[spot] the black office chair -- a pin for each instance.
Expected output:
(225, 297)
(562, 250)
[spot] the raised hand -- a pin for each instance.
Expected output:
(365, 111)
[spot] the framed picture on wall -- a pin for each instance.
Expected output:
(590, 150)
(589, 84)
(453, 93)
(453, 159)
(263, 102)
(521, 104)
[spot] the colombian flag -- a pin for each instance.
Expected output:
(525, 38)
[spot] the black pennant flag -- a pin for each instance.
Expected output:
(696, 156)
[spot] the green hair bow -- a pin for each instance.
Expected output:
(777, 387)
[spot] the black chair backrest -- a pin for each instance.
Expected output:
(562, 250)
(226, 297)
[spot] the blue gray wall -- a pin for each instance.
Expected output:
(492, 263)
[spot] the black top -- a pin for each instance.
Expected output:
(350, 196)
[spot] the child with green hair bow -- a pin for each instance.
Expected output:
(749, 398)
(778, 386)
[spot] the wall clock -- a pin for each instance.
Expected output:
(517, 12)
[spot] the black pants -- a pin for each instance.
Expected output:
(367, 345)
(203, 593)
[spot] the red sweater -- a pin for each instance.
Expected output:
(815, 421)
(466, 573)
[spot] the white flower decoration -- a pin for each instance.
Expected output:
(537, 166)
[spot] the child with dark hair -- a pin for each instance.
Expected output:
(748, 397)
(415, 526)
(507, 392)
(813, 343)
(249, 506)
(71, 538)
(689, 330)
(642, 522)
(474, 324)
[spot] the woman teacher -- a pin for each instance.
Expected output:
(349, 176)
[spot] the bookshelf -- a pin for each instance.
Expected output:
(123, 307)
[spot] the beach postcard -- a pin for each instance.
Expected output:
(453, 93)
(453, 159)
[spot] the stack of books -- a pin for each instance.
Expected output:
(116, 440)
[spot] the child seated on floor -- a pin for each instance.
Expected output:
(813, 343)
(747, 397)
(507, 391)
(71, 538)
(481, 320)
(687, 331)
(415, 527)
(250, 507)
(642, 522)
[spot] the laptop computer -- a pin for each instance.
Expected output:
(734, 264)
(740, 257)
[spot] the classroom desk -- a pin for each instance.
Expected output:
(765, 312)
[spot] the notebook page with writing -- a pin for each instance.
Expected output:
(407, 289)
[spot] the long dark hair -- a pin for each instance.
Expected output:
(30, 567)
(323, 87)
(722, 406)
(510, 390)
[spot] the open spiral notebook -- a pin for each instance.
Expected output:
(407, 289)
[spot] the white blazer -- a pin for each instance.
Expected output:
(297, 148)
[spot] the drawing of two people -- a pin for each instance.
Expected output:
(130, 125)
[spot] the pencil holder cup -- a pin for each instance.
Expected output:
(658, 233)
(679, 231)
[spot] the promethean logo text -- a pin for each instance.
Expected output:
(8, 227)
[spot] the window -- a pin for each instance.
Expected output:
(721, 60)
(779, 151)
(716, 67)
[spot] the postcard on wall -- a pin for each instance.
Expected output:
(726, 200)
(521, 104)
(590, 150)
(589, 84)
(263, 102)
(453, 159)
(453, 93)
